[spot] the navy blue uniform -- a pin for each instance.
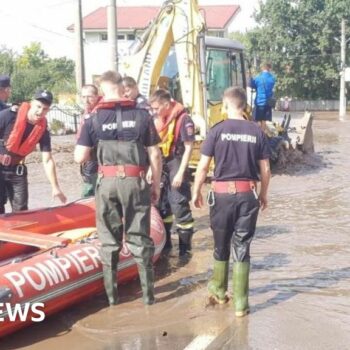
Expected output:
(123, 203)
(175, 201)
(236, 146)
(109, 130)
(3, 105)
(13, 178)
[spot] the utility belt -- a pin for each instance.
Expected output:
(233, 186)
(12, 163)
(121, 171)
(18, 169)
(230, 187)
(7, 160)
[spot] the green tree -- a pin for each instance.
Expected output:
(297, 37)
(33, 69)
(33, 56)
(7, 59)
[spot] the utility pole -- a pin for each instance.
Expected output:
(342, 97)
(79, 60)
(112, 34)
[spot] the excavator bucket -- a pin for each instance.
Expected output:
(301, 134)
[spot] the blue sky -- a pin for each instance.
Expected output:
(23, 21)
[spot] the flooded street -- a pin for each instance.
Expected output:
(299, 281)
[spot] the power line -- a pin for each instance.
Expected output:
(36, 26)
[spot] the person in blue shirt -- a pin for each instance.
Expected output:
(263, 84)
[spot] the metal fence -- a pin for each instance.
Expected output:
(63, 119)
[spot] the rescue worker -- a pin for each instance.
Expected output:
(88, 170)
(5, 93)
(5, 90)
(239, 149)
(176, 130)
(20, 131)
(123, 135)
(131, 91)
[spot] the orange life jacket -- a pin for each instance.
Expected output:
(170, 131)
(14, 142)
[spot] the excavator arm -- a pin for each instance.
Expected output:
(178, 24)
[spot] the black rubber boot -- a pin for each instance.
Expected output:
(110, 283)
(168, 245)
(185, 240)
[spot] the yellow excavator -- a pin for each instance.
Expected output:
(175, 53)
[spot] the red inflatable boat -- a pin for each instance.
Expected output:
(66, 268)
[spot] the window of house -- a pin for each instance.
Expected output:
(131, 36)
(104, 36)
(121, 36)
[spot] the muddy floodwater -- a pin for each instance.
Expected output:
(299, 283)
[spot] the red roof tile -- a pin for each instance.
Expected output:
(136, 17)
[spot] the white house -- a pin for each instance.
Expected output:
(131, 22)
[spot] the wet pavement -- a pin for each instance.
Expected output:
(299, 283)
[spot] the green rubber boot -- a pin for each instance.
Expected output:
(147, 284)
(241, 288)
(217, 286)
(110, 283)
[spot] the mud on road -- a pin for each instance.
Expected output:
(299, 283)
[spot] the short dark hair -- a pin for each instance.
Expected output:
(266, 65)
(236, 96)
(112, 77)
(160, 95)
(92, 87)
(129, 81)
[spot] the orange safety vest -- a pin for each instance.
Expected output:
(14, 142)
(170, 131)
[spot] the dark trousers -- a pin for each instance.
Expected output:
(14, 187)
(175, 200)
(124, 205)
(233, 220)
(262, 113)
(88, 171)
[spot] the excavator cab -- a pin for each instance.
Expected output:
(223, 66)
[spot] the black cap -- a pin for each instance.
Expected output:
(5, 81)
(44, 96)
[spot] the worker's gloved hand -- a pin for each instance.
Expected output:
(57, 193)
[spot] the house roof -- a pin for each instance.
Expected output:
(137, 17)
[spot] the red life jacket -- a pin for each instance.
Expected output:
(114, 103)
(13, 143)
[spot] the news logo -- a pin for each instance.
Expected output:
(22, 312)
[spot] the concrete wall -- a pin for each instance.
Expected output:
(319, 105)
